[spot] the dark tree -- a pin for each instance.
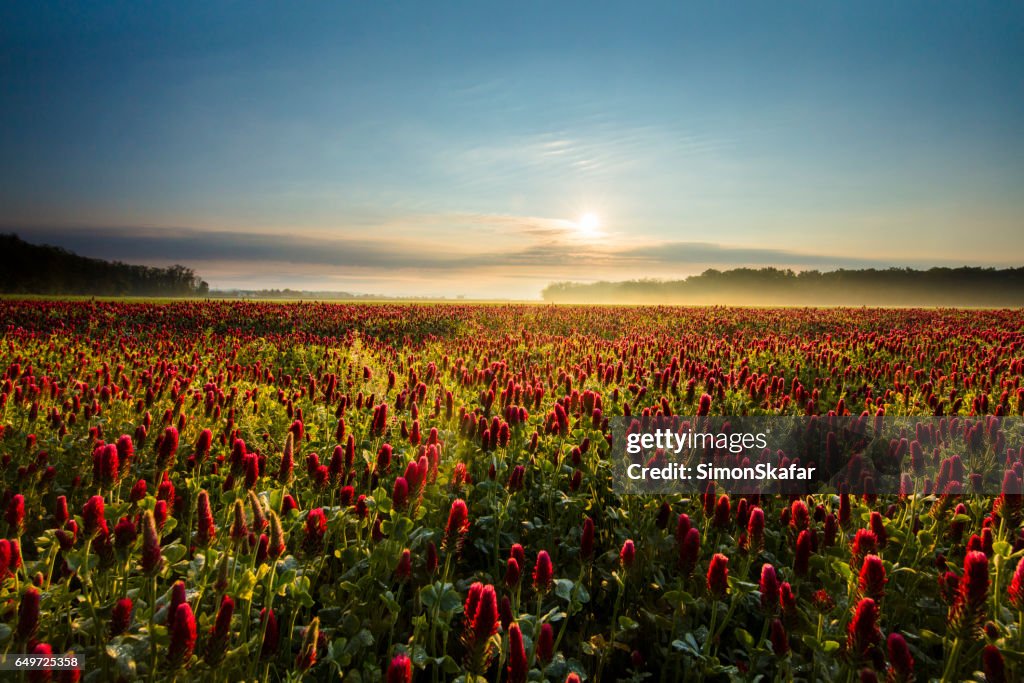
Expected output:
(41, 269)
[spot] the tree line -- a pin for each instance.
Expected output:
(965, 286)
(43, 269)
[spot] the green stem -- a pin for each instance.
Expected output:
(949, 671)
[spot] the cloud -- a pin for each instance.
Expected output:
(477, 249)
(692, 253)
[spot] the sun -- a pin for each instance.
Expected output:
(589, 224)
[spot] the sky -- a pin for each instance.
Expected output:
(486, 149)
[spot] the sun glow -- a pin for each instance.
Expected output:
(589, 225)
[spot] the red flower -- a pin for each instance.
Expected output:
(205, 531)
(310, 639)
(993, 665)
(708, 499)
(512, 573)
(799, 516)
(769, 588)
(901, 662)
(872, 578)
(165, 491)
(239, 529)
(138, 491)
(787, 600)
(105, 465)
(284, 472)
(458, 525)
(183, 636)
(92, 516)
(968, 610)
(384, 458)
(277, 541)
(718, 575)
(689, 551)
(151, 558)
(804, 543)
(61, 514)
(272, 636)
(543, 571)
(203, 443)
(400, 670)
(822, 601)
(831, 530)
(755, 529)
(167, 446)
(160, 513)
(431, 558)
(400, 493)
(627, 555)
(878, 527)
(178, 597)
(28, 614)
(482, 622)
(863, 634)
(288, 504)
(297, 430)
(316, 528)
(722, 512)
(16, 513)
(124, 534)
(844, 505)
(404, 568)
(704, 407)
(864, 543)
(545, 643)
(519, 553)
(778, 638)
(6, 565)
(518, 667)
(1016, 590)
(121, 617)
(220, 632)
(43, 650)
(587, 538)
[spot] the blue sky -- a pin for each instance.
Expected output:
(452, 148)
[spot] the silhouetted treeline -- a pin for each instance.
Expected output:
(41, 269)
(773, 286)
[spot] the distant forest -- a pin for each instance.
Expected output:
(772, 286)
(41, 269)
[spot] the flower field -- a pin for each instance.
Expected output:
(234, 491)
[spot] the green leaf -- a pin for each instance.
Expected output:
(299, 590)
(627, 624)
(174, 552)
(450, 600)
(563, 589)
(246, 584)
(429, 596)
(359, 641)
(745, 638)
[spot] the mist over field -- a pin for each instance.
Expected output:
(775, 287)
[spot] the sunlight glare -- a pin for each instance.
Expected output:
(589, 225)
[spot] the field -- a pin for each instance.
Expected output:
(235, 491)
